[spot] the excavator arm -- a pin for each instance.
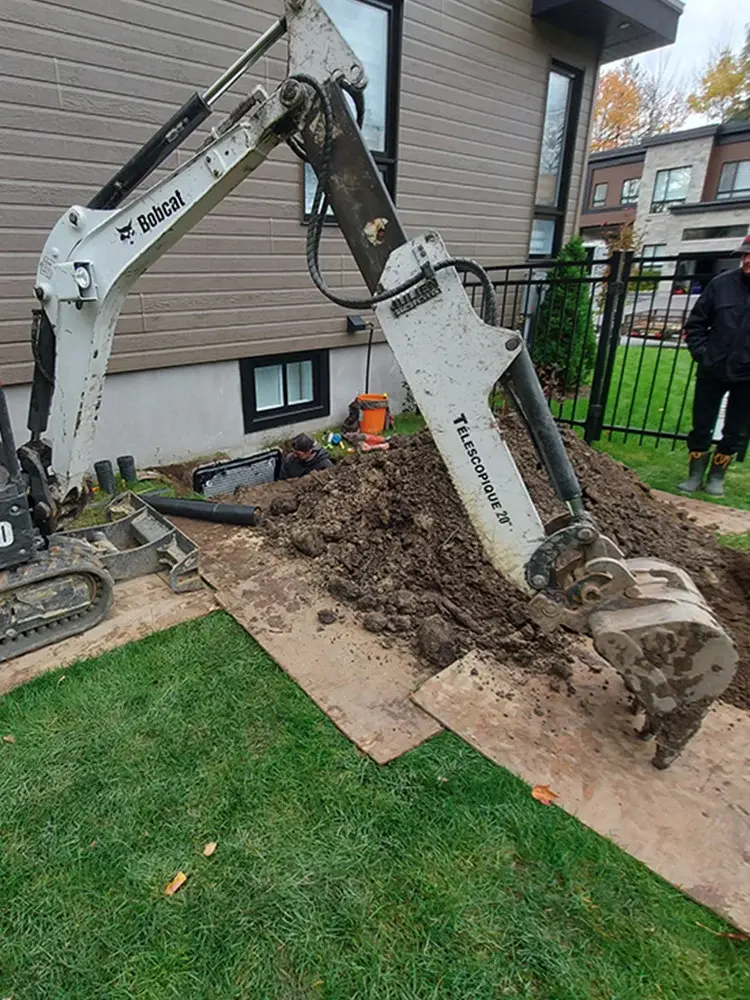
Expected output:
(647, 618)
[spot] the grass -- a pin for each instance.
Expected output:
(437, 876)
(660, 404)
(663, 468)
(740, 543)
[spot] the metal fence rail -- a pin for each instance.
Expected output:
(639, 384)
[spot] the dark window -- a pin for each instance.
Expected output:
(284, 388)
(715, 233)
(555, 161)
(373, 29)
(671, 188)
(600, 195)
(735, 180)
(630, 190)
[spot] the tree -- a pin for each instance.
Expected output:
(563, 336)
(663, 106)
(723, 91)
(634, 102)
(618, 108)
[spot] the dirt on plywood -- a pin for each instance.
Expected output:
(388, 535)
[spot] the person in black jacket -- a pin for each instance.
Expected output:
(718, 338)
(306, 456)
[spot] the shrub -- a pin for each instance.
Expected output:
(564, 339)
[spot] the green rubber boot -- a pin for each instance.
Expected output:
(698, 465)
(715, 482)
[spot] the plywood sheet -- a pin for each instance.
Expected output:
(690, 824)
(362, 684)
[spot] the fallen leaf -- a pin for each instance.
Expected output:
(177, 882)
(92, 844)
(543, 794)
(9, 738)
(318, 983)
(720, 934)
(209, 849)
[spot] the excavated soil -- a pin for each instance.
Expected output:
(388, 535)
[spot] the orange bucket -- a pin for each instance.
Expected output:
(373, 412)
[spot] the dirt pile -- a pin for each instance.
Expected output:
(388, 535)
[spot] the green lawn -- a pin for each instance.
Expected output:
(741, 543)
(437, 876)
(660, 404)
(664, 467)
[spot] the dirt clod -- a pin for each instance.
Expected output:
(283, 505)
(309, 542)
(344, 590)
(326, 616)
(375, 622)
(437, 641)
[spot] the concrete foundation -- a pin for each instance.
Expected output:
(179, 414)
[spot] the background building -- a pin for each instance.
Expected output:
(688, 194)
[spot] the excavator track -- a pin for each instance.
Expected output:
(64, 590)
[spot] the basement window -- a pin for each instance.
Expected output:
(284, 389)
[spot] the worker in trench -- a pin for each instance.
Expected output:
(306, 456)
(718, 338)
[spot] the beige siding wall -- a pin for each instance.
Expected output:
(84, 82)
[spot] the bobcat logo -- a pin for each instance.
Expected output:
(127, 232)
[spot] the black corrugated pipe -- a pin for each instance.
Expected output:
(223, 513)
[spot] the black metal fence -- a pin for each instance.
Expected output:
(607, 340)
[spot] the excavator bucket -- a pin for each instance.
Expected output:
(652, 624)
(673, 655)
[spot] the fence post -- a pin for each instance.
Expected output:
(614, 303)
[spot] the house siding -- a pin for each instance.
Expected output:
(87, 82)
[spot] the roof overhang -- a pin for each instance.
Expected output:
(620, 27)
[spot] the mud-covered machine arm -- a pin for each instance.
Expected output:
(647, 618)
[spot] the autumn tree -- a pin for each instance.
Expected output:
(723, 91)
(618, 108)
(634, 102)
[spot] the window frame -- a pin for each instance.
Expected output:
(658, 207)
(645, 256)
(557, 213)
(702, 234)
(734, 193)
(387, 160)
(630, 200)
(255, 420)
(597, 187)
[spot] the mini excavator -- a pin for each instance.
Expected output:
(646, 617)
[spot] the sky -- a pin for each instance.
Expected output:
(705, 25)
